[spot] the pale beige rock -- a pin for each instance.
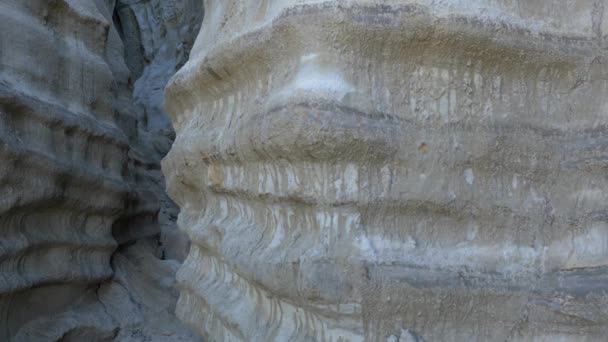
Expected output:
(394, 170)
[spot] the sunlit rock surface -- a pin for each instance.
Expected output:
(394, 171)
(80, 181)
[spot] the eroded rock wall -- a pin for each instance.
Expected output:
(63, 161)
(394, 170)
(157, 37)
(80, 182)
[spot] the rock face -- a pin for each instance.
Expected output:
(80, 181)
(157, 37)
(63, 161)
(394, 170)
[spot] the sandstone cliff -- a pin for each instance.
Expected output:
(81, 255)
(378, 170)
(394, 170)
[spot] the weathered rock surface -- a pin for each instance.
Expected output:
(394, 170)
(62, 163)
(80, 182)
(157, 36)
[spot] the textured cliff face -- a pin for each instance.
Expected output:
(80, 177)
(394, 170)
(60, 149)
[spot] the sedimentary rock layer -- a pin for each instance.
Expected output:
(395, 170)
(80, 181)
(63, 160)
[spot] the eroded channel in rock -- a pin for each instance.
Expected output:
(357, 170)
